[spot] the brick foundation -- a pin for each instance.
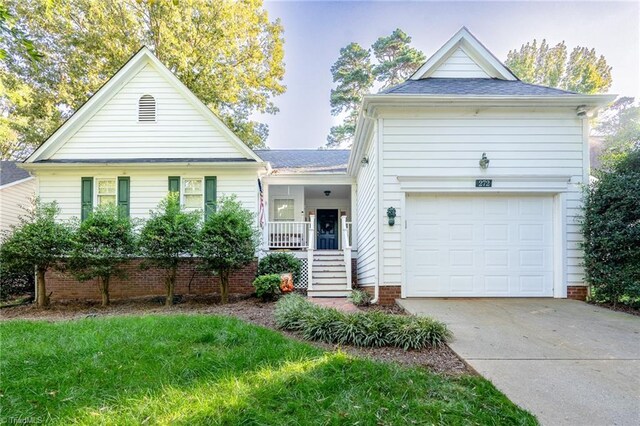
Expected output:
(577, 292)
(387, 295)
(149, 282)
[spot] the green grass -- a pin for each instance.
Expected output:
(198, 369)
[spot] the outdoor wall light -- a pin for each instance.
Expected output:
(581, 111)
(364, 161)
(484, 161)
(327, 193)
(391, 214)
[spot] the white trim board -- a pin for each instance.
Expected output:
(500, 183)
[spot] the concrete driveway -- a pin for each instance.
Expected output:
(565, 361)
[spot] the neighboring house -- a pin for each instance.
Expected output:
(462, 182)
(17, 190)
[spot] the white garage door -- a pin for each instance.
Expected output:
(479, 246)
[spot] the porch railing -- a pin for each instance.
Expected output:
(288, 235)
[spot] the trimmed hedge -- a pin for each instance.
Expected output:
(280, 263)
(267, 286)
(611, 230)
(372, 329)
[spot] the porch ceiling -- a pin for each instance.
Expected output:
(337, 191)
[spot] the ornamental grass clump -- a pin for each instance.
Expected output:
(289, 311)
(417, 333)
(367, 329)
(321, 324)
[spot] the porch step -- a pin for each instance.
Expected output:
(327, 252)
(329, 280)
(328, 293)
(321, 263)
(328, 259)
(329, 267)
(323, 286)
(336, 273)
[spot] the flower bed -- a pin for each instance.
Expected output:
(371, 329)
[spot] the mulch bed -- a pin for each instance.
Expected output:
(440, 360)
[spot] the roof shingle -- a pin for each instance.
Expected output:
(473, 86)
(9, 172)
(306, 160)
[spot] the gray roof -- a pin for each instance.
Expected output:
(9, 172)
(473, 86)
(306, 160)
(148, 160)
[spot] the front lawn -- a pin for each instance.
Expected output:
(202, 369)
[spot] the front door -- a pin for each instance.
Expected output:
(327, 229)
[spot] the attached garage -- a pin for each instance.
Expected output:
(487, 245)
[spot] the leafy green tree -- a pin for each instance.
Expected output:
(168, 238)
(101, 245)
(353, 75)
(227, 242)
(620, 126)
(612, 235)
(582, 71)
(9, 29)
(37, 243)
(397, 60)
(228, 53)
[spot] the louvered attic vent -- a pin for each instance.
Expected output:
(147, 109)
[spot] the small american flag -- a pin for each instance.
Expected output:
(261, 217)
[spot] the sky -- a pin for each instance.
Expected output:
(314, 32)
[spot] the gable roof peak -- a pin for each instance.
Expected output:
(464, 40)
(143, 57)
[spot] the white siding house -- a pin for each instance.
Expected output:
(462, 181)
(509, 229)
(143, 132)
(17, 190)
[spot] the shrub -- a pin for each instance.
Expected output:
(38, 242)
(168, 238)
(15, 283)
(371, 329)
(360, 298)
(228, 241)
(280, 263)
(101, 245)
(267, 286)
(612, 233)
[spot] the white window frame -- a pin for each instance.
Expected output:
(183, 191)
(96, 186)
(275, 210)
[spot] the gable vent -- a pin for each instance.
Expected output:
(147, 109)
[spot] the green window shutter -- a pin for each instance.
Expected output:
(124, 185)
(86, 196)
(174, 184)
(210, 195)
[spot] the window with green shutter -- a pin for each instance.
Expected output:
(124, 184)
(86, 195)
(210, 195)
(174, 184)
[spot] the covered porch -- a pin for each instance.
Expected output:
(302, 217)
(313, 219)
